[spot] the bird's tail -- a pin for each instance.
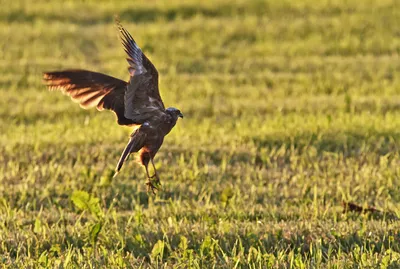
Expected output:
(135, 144)
(124, 156)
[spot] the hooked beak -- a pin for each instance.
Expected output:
(180, 115)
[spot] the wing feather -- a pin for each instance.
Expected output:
(91, 89)
(133, 103)
(142, 91)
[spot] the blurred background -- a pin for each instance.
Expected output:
(291, 108)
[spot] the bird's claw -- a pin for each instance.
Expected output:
(153, 184)
(151, 187)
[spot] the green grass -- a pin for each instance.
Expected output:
(291, 107)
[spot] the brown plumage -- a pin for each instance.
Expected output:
(136, 103)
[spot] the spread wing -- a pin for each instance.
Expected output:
(91, 89)
(142, 97)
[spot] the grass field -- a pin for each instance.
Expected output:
(291, 108)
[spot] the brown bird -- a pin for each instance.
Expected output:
(136, 103)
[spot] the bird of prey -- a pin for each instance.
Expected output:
(136, 103)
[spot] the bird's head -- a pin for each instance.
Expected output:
(174, 112)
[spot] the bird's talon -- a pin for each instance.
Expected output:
(151, 187)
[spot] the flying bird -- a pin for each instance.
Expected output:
(136, 103)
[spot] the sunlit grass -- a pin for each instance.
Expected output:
(290, 108)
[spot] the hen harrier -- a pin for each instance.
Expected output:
(136, 103)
